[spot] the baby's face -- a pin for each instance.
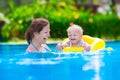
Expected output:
(74, 36)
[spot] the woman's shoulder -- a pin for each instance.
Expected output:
(46, 48)
(30, 49)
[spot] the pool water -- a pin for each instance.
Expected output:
(15, 64)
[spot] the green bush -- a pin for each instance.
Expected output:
(60, 16)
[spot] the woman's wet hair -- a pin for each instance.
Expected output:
(36, 26)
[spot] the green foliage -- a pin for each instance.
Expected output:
(60, 16)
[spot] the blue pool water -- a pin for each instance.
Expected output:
(56, 65)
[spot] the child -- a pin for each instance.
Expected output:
(37, 34)
(75, 33)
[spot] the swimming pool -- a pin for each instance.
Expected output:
(56, 65)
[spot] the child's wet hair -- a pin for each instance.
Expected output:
(76, 26)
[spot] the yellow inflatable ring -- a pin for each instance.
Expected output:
(73, 49)
(95, 43)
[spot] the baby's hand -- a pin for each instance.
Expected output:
(59, 46)
(87, 48)
(65, 45)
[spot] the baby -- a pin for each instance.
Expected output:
(75, 33)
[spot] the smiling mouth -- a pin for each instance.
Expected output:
(72, 39)
(44, 38)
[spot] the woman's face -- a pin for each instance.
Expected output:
(74, 36)
(43, 35)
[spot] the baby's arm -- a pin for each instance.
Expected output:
(60, 46)
(86, 47)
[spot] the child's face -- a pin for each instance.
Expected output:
(43, 35)
(74, 36)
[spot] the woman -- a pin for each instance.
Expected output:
(37, 34)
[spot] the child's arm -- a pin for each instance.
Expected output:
(86, 47)
(60, 46)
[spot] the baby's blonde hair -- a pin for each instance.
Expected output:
(77, 27)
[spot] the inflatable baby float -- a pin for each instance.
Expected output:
(95, 43)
